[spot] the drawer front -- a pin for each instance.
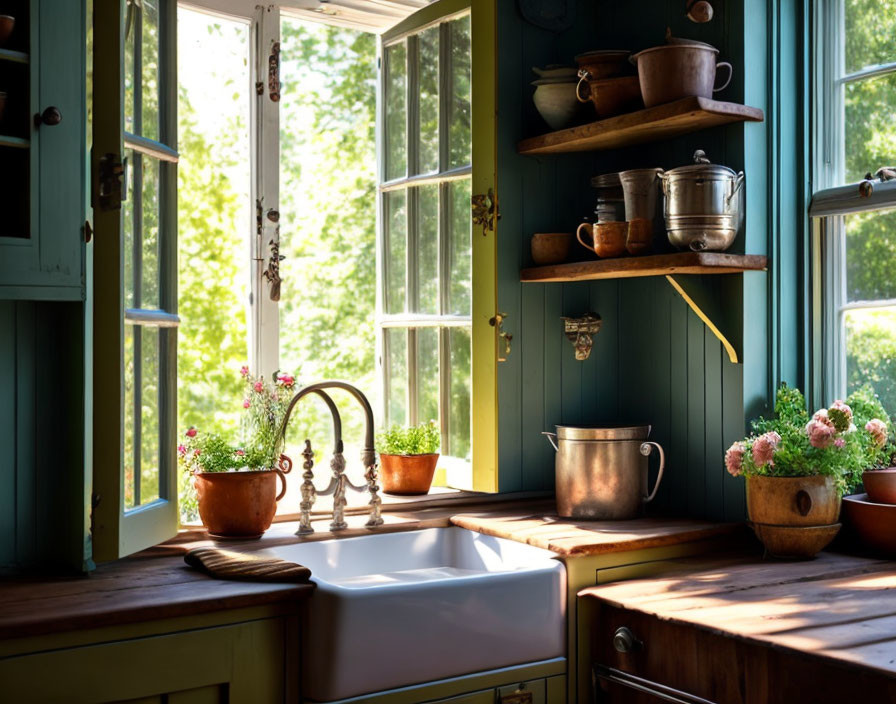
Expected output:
(693, 665)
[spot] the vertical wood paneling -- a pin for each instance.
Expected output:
(715, 504)
(539, 458)
(677, 372)
(660, 393)
(553, 351)
(696, 416)
(28, 547)
(7, 434)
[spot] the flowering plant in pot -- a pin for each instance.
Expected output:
(236, 483)
(797, 468)
(408, 457)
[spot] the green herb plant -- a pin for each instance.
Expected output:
(421, 439)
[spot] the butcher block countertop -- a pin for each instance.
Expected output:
(835, 607)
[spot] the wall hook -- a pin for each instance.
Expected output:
(580, 332)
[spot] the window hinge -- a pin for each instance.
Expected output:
(486, 211)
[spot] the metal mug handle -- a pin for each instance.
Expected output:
(551, 439)
(724, 64)
(646, 447)
(584, 76)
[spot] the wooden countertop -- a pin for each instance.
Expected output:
(835, 607)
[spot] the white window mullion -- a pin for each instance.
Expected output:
(264, 325)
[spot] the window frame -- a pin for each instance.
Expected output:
(832, 200)
(118, 531)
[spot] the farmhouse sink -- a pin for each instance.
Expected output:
(395, 609)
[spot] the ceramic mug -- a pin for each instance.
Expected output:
(607, 238)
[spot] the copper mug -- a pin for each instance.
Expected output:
(607, 238)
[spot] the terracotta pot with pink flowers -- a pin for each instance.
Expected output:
(797, 468)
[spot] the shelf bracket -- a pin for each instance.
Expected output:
(707, 300)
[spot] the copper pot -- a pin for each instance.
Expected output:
(880, 485)
(612, 96)
(238, 504)
(407, 474)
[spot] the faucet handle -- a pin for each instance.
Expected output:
(308, 492)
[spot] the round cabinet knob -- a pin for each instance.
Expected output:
(624, 641)
(50, 117)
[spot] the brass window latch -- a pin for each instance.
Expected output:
(486, 211)
(497, 322)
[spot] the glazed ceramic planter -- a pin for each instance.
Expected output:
(407, 474)
(880, 485)
(793, 516)
(238, 505)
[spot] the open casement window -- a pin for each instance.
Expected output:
(134, 173)
(854, 220)
(435, 269)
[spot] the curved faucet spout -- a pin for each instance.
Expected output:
(337, 420)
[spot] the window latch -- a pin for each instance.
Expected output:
(110, 182)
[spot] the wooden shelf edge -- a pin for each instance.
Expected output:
(659, 122)
(653, 265)
(17, 142)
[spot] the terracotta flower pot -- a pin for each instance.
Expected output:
(238, 504)
(793, 516)
(407, 474)
(880, 485)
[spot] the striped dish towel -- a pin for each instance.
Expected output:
(226, 564)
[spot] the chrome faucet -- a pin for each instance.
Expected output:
(338, 482)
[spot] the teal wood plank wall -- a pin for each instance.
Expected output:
(653, 361)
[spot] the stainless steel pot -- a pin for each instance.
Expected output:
(704, 207)
(601, 473)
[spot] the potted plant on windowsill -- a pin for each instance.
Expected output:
(879, 477)
(236, 484)
(408, 458)
(797, 469)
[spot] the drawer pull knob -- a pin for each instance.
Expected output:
(624, 641)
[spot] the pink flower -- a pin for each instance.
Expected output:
(840, 415)
(181, 450)
(734, 459)
(258, 386)
(878, 431)
(196, 453)
(821, 434)
(839, 443)
(240, 453)
(286, 380)
(822, 417)
(246, 403)
(764, 449)
(191, 433)
(244, 371)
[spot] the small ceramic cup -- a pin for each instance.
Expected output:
(550, 247)
(607, 238)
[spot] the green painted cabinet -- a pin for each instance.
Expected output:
(43, 151)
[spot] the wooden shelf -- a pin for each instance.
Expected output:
(18, 57)
(18, 142)
(654, 265)
(652, 124)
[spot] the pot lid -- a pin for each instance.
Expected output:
(701, 167)
(606, 432)
(679, 41)
(606, 181)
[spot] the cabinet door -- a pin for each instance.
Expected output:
(42, 149)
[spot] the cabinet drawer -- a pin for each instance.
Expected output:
(662, 657)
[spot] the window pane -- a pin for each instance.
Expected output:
(459, 131)
(871, 256)
(427, 375)
(460, 249)
(428, 250)
(428, 77)
(127, 224)
(149, 413)
(396, 111)
(395, 204)
(146, 230)
(870, 131)
(129, 77)
(459, 343)
(871, 352)
(129, 492)
(150, 74)
(870, 28)
(397, 375)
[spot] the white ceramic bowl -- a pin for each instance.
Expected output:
(557, 103)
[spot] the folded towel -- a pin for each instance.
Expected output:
(226, 564)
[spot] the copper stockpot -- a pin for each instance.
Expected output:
(407, 474)
(238, 504)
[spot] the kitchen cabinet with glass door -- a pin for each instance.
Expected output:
(42, 150)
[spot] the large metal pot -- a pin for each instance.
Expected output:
(679, 70)
(601, 473)
(704, 205)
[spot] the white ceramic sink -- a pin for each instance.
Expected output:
(395, 609)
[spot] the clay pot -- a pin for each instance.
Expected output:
(6, 26)
(880, 485)
(550, 247)
(407, 474)
(556, 102)
(238, 504)
(793, 516)
(612, 96)
(875, 523)
(604, 63)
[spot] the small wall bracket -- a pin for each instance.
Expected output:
(581, 331)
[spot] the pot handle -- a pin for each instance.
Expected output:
(646, 447)
(724, 64)
(738, 184)
(551, 439)
(579, 236)
(283, 481)
(584, 75)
